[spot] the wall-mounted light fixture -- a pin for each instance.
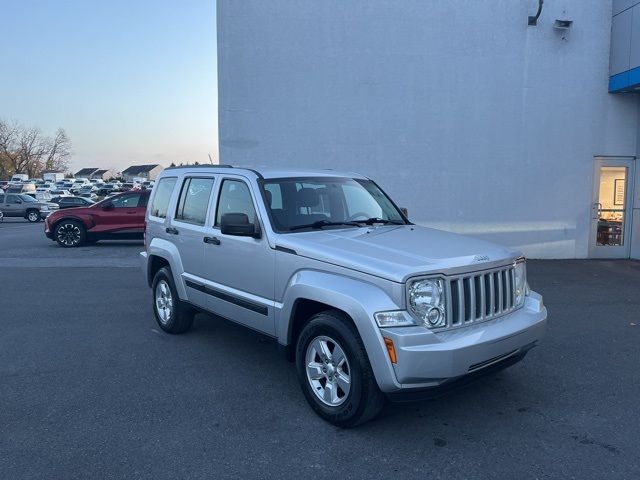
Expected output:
(533, 20)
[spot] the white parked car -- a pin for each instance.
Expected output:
(41, 196)
(60, 193)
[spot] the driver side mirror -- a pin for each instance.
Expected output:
(405, 212)
(238, 224)
(18, 201)
(108, 206)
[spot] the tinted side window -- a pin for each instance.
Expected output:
(235, 197)
(12, 199)
(194, 200)
(126, 201)
(162, 197)
(1, 198)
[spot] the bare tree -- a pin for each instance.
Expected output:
(27, 150)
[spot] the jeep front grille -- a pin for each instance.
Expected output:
(480, 296)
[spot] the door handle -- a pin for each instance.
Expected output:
(173, 231)
(211, 240)
(596, 211)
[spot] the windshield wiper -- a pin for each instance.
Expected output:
(372, 220)
(323, 223)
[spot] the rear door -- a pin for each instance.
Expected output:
(187, 231)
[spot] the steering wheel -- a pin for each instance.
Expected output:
(359, 214)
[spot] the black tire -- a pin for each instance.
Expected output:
(364, 399)
(33, 216)
(69, 233)
(181, 316)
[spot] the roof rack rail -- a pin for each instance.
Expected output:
(202, 165)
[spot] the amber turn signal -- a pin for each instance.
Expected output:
(391, 350)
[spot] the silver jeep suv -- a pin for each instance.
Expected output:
(367, 304)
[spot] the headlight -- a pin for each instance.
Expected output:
(426, 302)
(521, 283)
(44, 208)
(396, 318)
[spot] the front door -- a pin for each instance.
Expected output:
(241, 269)
(611, 211)
(13, 206)
(122, 216)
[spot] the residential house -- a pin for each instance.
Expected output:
(86, 173)
(103, 174)
(148, 172)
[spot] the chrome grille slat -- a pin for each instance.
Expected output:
(492, 295)
(483, 299)
(509, 290)
(472, 299)
(481, 296)
(500, 291)
(461, 312)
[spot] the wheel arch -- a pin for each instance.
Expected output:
(312, 292)
(76, 218)
(164, 253)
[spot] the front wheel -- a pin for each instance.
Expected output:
(334, 371)
(70, 233)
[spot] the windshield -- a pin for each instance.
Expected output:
(27, 198)
(296, 204)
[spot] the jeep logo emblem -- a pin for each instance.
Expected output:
(481, 258)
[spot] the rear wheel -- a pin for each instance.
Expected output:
(172, 314)
(33, 216)
(70, 233)
(334, 371)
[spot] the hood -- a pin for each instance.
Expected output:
(398, 252)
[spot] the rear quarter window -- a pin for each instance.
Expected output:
(162, 197)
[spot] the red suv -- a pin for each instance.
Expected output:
(116, 218)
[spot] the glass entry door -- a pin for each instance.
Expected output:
(611, 211)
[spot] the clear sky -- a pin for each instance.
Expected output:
(131, 81)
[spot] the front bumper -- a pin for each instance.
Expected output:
(427, 359)
(144, 263)
(47, 230)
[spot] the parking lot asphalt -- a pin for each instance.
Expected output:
(89, 387)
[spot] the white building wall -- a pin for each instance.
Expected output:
(473, 120)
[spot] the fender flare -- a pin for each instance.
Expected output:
(169, 252)
(358, 299)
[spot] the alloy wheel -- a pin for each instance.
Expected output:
(69, 234)
(328, 370)
(33, 217)
(164, 302)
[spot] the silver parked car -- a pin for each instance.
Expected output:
(367, 304)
